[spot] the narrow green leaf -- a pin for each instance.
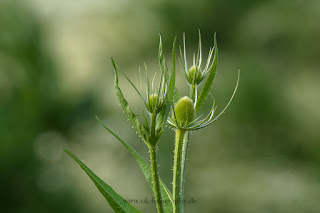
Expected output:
(172, 80)
(176, 96)
(181, 60)
(160, 121)
(162, 117)
(146, 169)
(117, 203)
(146, 124)
(209, 81)
(148, 83)
(135, 88)
(160, 54)
(199, 55)
(126, 109)
(207, 86)
(185, 53)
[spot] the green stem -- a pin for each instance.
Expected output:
(184, 162)
(177, 175)
(193, 92)
(155, 178)
(153, 126)
(154, 165)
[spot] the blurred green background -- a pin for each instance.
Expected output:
(263, 155)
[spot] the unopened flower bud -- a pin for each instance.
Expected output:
(184, 111)
(194, 75)
(154, 105)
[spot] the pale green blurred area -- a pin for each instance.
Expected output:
(262, 155)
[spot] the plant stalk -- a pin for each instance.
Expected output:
(177, 172)
(193, 92)
(154, 164)
(153, 127)
(184, 162)
(155, 178)
(185, 146)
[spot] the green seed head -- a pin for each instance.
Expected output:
(154, 105)
(194, 75)
(184, 111)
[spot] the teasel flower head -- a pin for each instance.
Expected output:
(183, 115)
(184, 112)
(195, 74)
(157, 100)
(153, 98)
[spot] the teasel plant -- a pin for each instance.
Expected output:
(159, 103)
(184, 118)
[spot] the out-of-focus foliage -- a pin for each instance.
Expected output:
(55, 75)
(31, 111)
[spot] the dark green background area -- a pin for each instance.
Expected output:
(262, 155)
